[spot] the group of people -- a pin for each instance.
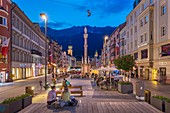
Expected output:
(66, 98)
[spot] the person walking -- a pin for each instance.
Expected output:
(41, 85)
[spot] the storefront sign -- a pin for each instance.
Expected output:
(163, 63)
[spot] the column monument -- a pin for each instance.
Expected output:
(85, 68)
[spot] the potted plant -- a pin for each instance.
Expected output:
(125, 87)
(26, 100)
(167, 106)
(11, 105)
(158, 102)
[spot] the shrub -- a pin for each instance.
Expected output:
(13, 99)
(125, 83)
(161, 97)
(9, 100)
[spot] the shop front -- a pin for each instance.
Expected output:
(21, 70)
(145, 70)
(162, 71)
(4, 73)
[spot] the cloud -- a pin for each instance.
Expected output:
(58, 24)
(107, 7)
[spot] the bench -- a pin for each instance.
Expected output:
(80, 91)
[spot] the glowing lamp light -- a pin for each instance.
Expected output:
(43, 16)
(32, 88)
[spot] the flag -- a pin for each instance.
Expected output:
(117, 46)
(5, 45)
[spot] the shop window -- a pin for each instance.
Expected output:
(144, 54)
(165, 50)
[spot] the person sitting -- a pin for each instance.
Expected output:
(65, 96)
(51, 98)
(68, 83)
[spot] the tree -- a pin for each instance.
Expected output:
(125, 62)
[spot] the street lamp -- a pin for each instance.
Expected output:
(44, 17)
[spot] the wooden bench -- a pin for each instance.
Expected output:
(80, 91)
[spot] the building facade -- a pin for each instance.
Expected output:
(115, 43)
(161, 48)
(28, 46)
(148, 38)
(54, 62)
(5, 35)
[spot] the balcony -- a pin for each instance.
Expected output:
(36, 53)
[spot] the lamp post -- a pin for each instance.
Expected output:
(44, 17)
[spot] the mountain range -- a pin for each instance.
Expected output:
(74, 36)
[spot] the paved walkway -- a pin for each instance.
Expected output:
(94, 101)
(155, 87)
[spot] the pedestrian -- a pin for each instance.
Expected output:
(41, 85)
(64, 82)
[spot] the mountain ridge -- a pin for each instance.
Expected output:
(74, 36)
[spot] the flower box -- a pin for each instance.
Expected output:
(12, 107)
(167, 107)
(125, 87)
(26, 101)
(158, 102)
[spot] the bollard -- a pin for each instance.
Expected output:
(29, 90)
(147, 96)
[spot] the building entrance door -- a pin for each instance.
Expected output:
(2, 77)
(162, 74)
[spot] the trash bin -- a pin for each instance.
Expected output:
(29, 90)
(140, 90)
(147, 96)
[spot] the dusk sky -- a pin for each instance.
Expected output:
(67, 13)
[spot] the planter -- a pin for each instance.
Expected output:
(125, 88)
(167, 107)
(26, 101)
(158, 103)
(12, 107)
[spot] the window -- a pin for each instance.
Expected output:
(145, 37)
(136, 43)
(163, 10)
(1, 2)
(131, 31)
(144, 5)
(131, 45)
(127, 34)
(163, 31)
(141, 23)
(165, 50)
(2, 39)
(135, 29)
(146, 19)
(144, 54)
(3, 21)
(141, 38)
(135, 56)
